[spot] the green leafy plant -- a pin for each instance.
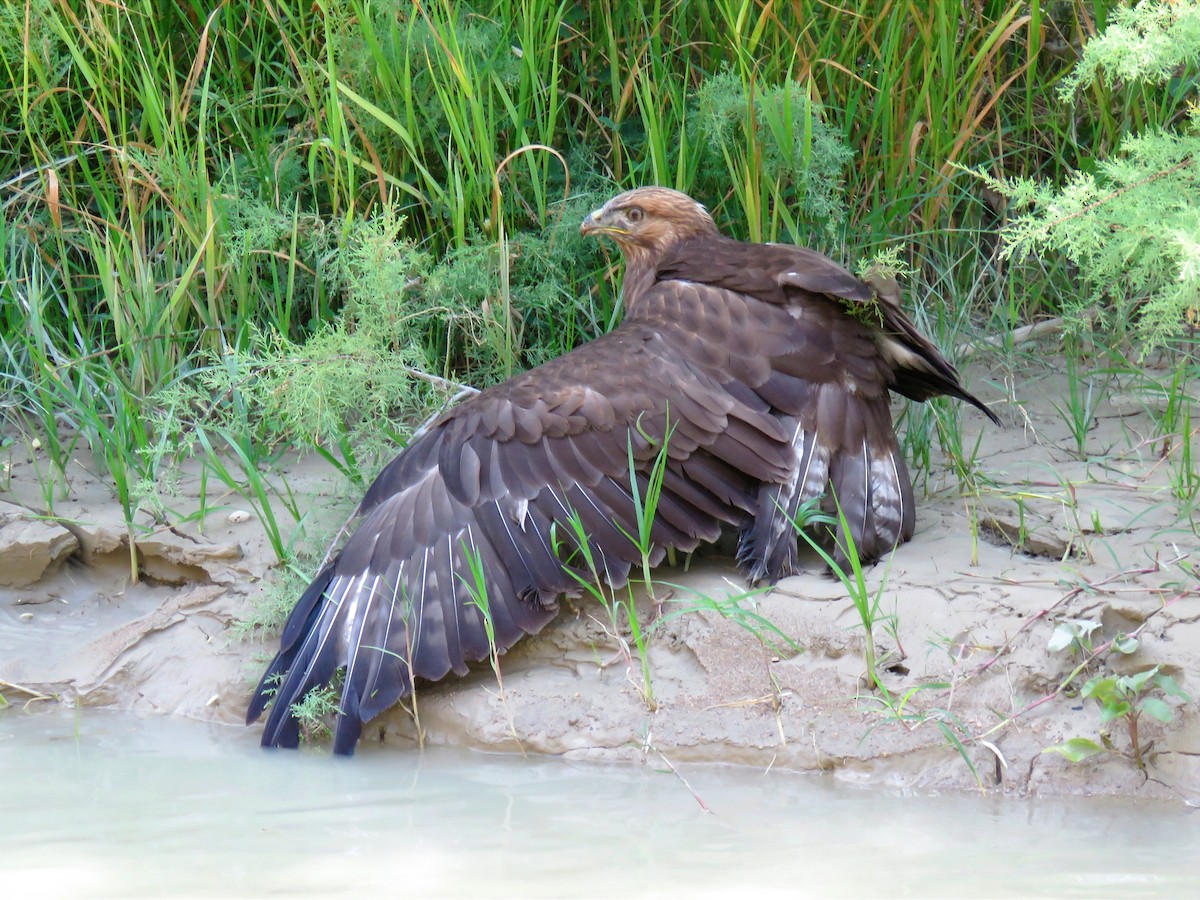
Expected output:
(314, 711)
(268, 610)
(645, 506)
(957, 735)
(1184, 472)
(1074, 635)
(1079, 408)
(1119, 697)
(255, 487)
(1130, 224)
(894, 707)
(574, 547)
(737, 608)
(1124, 698)
(773, 145)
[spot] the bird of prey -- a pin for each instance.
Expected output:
(757, 376)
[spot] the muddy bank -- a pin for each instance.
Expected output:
(967, 615)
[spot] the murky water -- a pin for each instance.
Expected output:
(104, 804)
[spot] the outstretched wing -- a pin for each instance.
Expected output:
(464, 540)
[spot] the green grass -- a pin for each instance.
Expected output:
(851, 574)
(182, 182)
(574, 546)
(477, 591)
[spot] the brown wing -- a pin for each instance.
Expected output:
(797, 277)
(823, 349)
(495, 483)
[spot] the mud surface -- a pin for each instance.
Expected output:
(968, 611)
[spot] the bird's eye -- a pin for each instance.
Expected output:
(634, 214)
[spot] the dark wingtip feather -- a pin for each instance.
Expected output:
(301, 620)
(984, 408)
(346, 733)
(958, 391)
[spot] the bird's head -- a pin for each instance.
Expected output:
(645, 222)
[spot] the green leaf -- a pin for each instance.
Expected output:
(1123, 643)
(1157, 708)
(1115, 710)
(1072, 632)
(1101, 687)
(1137, 683)
(952, 739)
(1062, 638)
(1171, 687)
(1076, 749)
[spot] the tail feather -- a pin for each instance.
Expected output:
(872, 488)
(850, 492)
(853, 460)
(768, 546)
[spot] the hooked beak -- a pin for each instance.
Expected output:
(599, 223)
(592, 223)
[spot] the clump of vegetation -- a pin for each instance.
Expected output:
(1129, 223)
(315, 713)
(574, 547)
(1074, 635)
(1124, 698)
(1121, 698)
(771, 143)
(897, 708)
(270, 606)
(354, 369)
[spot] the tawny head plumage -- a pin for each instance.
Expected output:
(649, 220)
